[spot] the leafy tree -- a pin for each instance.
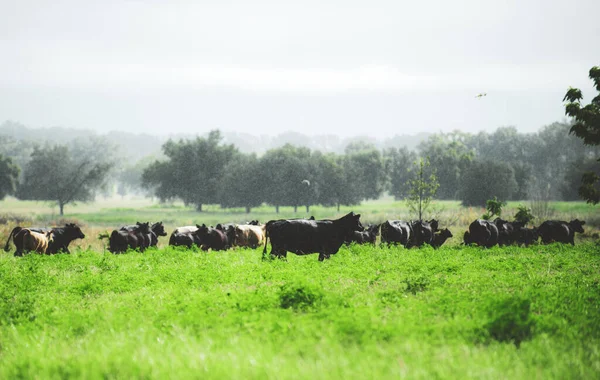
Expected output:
(333, 186)
(487, 179)
(586, 127)
(398, 164)
(57, 174)
(242, 183)
(192, 171)
(9, 176)
(365, 171)
(523, 214)
(422, 188)
(494, 208)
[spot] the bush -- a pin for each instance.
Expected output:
(300, 296)
(510, 320)
(485, 180)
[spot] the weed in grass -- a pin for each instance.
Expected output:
(510, 320)
(300, 295)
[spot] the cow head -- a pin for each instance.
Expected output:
(143, 227)
(445, 233)
(74, 231)
(577, 225)
(159, 229)
(352, 220)
(434, 224)
(202, 230)
(254, 223)
(374, 229)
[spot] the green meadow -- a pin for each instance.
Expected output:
(369, 312)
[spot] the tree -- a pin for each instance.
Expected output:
(398, 169)
(422, 188)
(333, 187)
(586, 127)
(494, 208)
(9, 176)
(57, 174)
(242, 183)
(485, 180)
(192, 171)
(365, 171)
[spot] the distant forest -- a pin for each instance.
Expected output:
(291, 169)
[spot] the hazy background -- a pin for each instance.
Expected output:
(337, 67)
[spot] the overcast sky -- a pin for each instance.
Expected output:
(338, 67)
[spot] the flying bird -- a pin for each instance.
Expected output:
(306, 182)
(481, 95)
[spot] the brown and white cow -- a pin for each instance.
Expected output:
(31, 241)
(247, 235)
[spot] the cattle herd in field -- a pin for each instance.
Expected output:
(299, 236)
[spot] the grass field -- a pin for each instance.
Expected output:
(369, 312)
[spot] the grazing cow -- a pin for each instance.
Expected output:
(441, 237)
(508, 232)
(133, 237)
(211, 238)
(61, 237)
(27, 240)
(560, 231)
(247, 235)
(229, 230)
(364, 237)
(482, 233)
(185, 236)
(396, 231)
(303, 236)
(527, 236)
(422, 233)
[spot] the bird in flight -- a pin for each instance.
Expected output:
(481, 95)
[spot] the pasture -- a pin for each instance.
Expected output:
(369, 312)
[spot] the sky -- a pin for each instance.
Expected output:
(344, 67)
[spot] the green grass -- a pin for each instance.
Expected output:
(367, 313)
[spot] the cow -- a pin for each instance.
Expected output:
(507, 231)
(482, 233)
(440, 238)
(62, 237)
(211, 238)
(27, 240)
(247, 235)
(229, 230)
(364, 237)
(396, 231)
(560, 231)
(434, 225)
(304, 236)
(157, 229)
(126, 237)
(421, 233)
(527, 236)
(184, 236)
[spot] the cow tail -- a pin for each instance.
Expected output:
(11, 236)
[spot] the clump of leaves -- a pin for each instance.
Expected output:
(510, 320)
(523, 214)
(299, 295)
(417, 284)
(494, 208)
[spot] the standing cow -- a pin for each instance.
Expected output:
(396, 231)
(27, 240)
(126, 237)
(303, 236)
(247, 235)
(482, 233)
(61, 237)
(560, 231)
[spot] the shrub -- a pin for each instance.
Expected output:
(416, 284)
(510, 320)
(300, 296)
(523, 214)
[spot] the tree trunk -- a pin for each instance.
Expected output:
(61, 206)
(277, 209)
(199, 207)
(338, 206)
(307, 209)
(247, 209)
(295, 209)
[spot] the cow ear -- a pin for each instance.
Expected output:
(198, 226)
(203, 225)
(357, 216)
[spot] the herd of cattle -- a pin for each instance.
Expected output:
(299, 236)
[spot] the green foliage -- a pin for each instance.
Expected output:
(494, 208)
(510, 320)
(485, 180)
(587, 127)
(300, 295)
(423, 187)
(65, 175)
(523, 214)
(242, 183)
(9, 175)
(397, 166)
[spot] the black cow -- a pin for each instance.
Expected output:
(560, 231)
(527, 236)
(304, 236)
(157, 229)
(482, 233)
(422, 233)
(184, 236)
(364, 237)
(396, 231)
(229, 230)
(508, 232)
(134, 237)
(441, 237)
(212, 238)
(62, 237)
